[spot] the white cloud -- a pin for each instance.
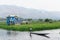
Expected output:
(49, 5)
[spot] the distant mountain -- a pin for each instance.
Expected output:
(6, 10)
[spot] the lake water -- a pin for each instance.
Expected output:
(16, 35)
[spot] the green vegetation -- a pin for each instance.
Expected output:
(36, 26)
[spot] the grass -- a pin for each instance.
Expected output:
(35, 26)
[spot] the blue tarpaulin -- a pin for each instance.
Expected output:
(13, 20)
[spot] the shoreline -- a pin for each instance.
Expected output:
(35, 27)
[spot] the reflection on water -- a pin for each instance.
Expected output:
(10, 33)
(16, 35)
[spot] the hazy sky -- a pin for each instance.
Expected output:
(49, 5)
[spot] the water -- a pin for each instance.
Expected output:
(16, 35)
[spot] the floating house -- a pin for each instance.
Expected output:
(12, 19)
